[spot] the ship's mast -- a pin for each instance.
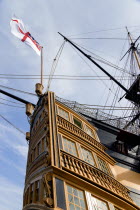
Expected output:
(129, 92)
(134, 49)
(100, 67)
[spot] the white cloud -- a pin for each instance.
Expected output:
(14, 140)
(11, 195)
(15, 165)
(22, 150)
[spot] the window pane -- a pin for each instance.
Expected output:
(71, 206)
(77, 122)
(89, 131)
(87, 156)
(69, 146)
(98, 204)
(63, 113)
(76, 199)
(82, 203)
(103, 165)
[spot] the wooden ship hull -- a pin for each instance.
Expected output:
(68, 167)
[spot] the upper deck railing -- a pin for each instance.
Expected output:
(99, 115)
(95, 175)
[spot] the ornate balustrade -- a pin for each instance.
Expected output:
(81, 168)
(78, 132)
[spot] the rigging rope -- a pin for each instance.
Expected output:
(52, 78)
(117, 96)
(11, 124)
(64, 75)
(10, 101)
(103, 30)
(18, 90)
(118, 118)
(54, 65)
(101, 105)
(100, 59)
(112, 84)
(93, 70)
(100, 38)
(110, 64)
(12, 105)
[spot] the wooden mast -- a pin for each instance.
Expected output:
(96, 64)
(134, 51)
(102, 69)
(42, 66)
(39, 86)
(134, 48)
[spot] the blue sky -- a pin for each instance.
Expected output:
(44, 18)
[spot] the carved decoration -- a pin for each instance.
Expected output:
(75, 165)
(78, 132)
(47, 181)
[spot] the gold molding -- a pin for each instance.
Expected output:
(78, 167)
(83, 184)
(78, 132)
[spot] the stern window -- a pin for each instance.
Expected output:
(63, 113)
(98, 204)
(103, 166)
(87, 156)
(77, 122)
(69, 146)
(89, 131)
(76, 199)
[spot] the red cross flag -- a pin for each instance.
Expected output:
(18, 29)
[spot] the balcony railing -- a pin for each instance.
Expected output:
(78, 132)
(83, 169)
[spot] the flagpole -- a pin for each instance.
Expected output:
(39, 86)
(42, 66)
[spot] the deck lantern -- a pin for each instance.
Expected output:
(39, 89)
(29, 109)
(27, 136)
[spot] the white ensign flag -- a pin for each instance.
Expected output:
(18, 29)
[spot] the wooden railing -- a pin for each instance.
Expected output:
(78, 132)
(85, 170)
